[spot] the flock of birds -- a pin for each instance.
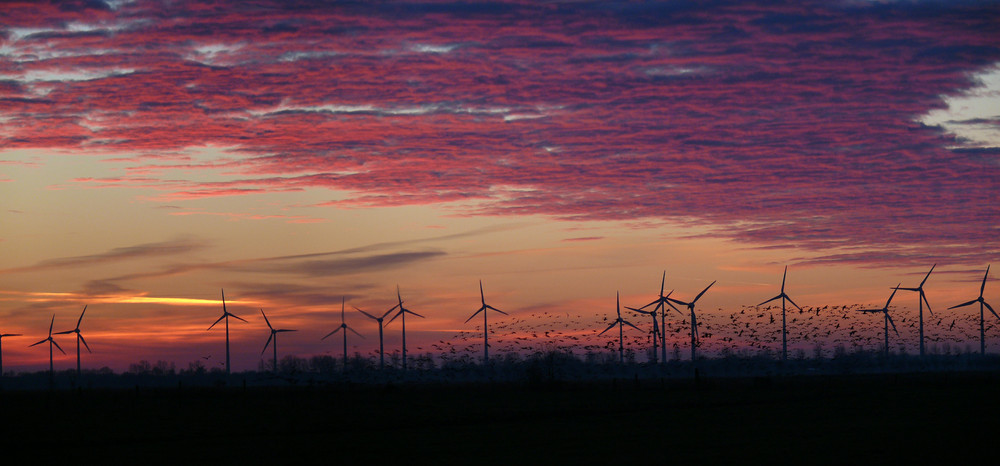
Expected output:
(757, 328)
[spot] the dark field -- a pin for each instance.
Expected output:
(945, 418)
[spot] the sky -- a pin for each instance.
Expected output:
(303, 154)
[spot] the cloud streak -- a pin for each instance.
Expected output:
(787, 124)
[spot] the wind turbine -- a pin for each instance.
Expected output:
(694, 320)
(402, 312)
(661, 302)
(888, 320)
(784, 297)
(226, 315)
(79, 338)
(381, 347)
(921, 299)
(51, 342)
(982, 302)
(656, 327)
(1, 348)
(486, 333)
(345, 328)
(621, 323)
(273, 336)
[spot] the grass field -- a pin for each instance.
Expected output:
(942, 418)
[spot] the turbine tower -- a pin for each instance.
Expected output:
(661, 302)
(486, 333)
(887, 320)
(381, 346)
(621, 323)
(226, 315)
(345, 328)
(784, 297)
(982, 302)
(694, 319)
(79, 338)
(51, 342)
(402, 313)
(273, 336)
(921, 300)
(2, 336)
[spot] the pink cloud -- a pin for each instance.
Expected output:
(777, 125)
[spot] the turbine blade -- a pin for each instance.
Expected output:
(696, 298)
(609, 328)
(269, 337)
(85, 345)
(237, 317)
(889, 318)
(387, 312)
(656, 301)
(793, 303)
(220, 320)
(927, 276)
(928, 303)
(81, 316)
(285, 330)
(57, 346)
(991, 309)
(355, 332)
(268, 322)
(982, 287)
(331, 333)
(34, 344)
(64, 333)
(964, 304)
(414, 313)
(783, 279)
(891, 295)
(772, 299)
(640, 311)
(663, 281)
(677, 301)
(394, 318)
(630, 325)
(498, 310)
(475, 314)
(51, 323)
(367, 314)
(482, 297)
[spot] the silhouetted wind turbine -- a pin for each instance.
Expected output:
(694, 319)
(783, 297)
(51, 342)
(381, 347)
(273, 336)
(2, 336)
(343, 326)
(621, 323)
(486, 332)
(661, 302)
(402, 312)
(982, 318)
(79, 338)
(656, 327)
(226, 315)
(888, 320)
(921, 299)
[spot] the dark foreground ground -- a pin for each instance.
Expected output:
(947, 418)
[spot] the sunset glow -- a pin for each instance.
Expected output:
(153, 154)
